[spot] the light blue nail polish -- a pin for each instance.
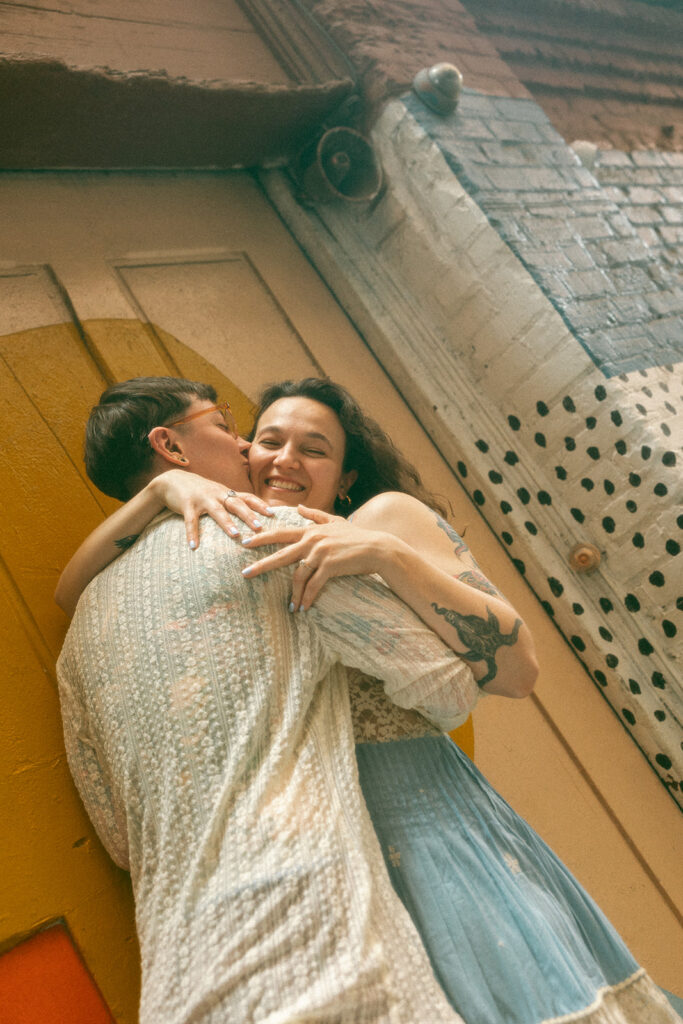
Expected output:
(291, 606)
(193, 545)
(247, 540)
(255, 523)
(270, 509)
(301, 608)
(247, 571)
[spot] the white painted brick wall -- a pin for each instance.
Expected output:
(471, 340)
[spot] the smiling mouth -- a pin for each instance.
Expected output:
(283, 485)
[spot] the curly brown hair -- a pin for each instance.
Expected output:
(369, 450)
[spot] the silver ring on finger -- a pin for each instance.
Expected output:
(310, 567)
(229, 494)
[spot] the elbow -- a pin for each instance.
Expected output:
(527, 674)
(518, 670)
(62, 599)
(526, 680)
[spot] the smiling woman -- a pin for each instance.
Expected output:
(298, 451)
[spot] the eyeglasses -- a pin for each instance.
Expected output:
(223, 409)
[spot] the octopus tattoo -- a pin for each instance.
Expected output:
(482, 639)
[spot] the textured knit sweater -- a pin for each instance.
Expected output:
(208, 732)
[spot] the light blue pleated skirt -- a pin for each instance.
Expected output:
(512, 937)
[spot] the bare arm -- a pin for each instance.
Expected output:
(360, 623)
(183, 492)
(427, 564)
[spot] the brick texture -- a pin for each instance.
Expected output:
(583, 246)
(375, 38)
(605, 70)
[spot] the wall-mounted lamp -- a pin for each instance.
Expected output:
(439, 87)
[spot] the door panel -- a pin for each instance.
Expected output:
(224, 310)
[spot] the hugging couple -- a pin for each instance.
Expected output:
(262, 741)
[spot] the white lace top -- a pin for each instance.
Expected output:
(376, 719)
(208, 731)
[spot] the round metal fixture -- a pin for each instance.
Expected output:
(439, 87)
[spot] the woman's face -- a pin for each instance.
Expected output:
(297, 455)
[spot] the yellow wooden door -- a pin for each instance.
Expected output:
(108, 276)
(112, 277)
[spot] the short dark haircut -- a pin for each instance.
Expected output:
(117, 451)
(369, 450)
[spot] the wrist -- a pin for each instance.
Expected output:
(155, 495)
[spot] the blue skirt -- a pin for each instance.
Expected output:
(512, 937)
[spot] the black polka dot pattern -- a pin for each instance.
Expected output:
(613, 489)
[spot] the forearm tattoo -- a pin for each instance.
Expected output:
(476, 579)
(126, 542)
(460, 545)
(472, 577)
(481, 639)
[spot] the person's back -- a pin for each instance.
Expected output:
(216, 768)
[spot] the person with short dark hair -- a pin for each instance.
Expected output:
(118, 455)
(207, 730)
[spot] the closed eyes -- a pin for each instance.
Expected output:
(272, 444)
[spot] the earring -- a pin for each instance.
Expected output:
(344, 499)
(180, 458)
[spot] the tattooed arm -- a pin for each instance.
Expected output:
(105, 543)
(177, 489)
(439, 578)
(428, 565)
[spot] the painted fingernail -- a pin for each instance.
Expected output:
(301, 608)
(270, 510)
(247, 571)
(247, 540)
(193, 545)
(234, 533)
(255, 523)
(291, 606)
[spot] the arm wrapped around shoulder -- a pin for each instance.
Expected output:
(363, 625)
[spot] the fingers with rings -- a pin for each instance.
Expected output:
(231, 528)
(240, 506)
(300, 585)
